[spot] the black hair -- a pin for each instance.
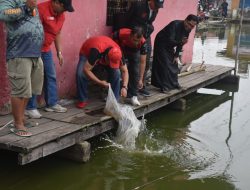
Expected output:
(137, 31)
(192, 17)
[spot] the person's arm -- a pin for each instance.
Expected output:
(87, 69)
(124, 88)
(171, 33)
(10, 12)
(59, 48)
(93, 58)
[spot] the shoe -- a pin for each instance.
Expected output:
(178, 86)
(56, 108)
(165, 90)
(81, 104)
(134, 101)
(144, 92)
(35, 114)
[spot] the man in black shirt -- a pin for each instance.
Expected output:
(143, 14)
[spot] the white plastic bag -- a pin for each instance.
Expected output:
(129, 126)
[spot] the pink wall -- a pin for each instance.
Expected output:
(4, 86)
(88, 20)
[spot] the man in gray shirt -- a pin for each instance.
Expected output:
(25, 67)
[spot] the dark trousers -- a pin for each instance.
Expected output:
(148, 61)
(133, 63)
(82, 80)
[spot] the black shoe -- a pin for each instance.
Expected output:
(178, 86)
(165, 90)
(144, 92)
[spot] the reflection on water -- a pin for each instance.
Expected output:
(204, 147)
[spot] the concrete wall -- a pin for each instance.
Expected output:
(88, 20)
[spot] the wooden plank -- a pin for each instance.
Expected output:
(41, 121)
(5, 119)
(184, 80)
(64, 142)
(8, 141)
(28, 144)
(58, 116)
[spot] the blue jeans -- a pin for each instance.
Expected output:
(82, 80)
(49, 85)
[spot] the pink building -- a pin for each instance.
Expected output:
(89, 19)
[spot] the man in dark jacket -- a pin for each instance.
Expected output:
(224, 6)
(143, 13)
(167, 47)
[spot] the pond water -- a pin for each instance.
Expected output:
(204, 147)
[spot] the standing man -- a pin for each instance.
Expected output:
(167, 47)
(100, 51)
(143, 14)
(224, 6)
(134, 49)
(52, 18)
(25, 67)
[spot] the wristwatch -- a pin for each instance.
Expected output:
(59, 53)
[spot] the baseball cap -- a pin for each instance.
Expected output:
(67, 4)
(159, 3)
(115, 56)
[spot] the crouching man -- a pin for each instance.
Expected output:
(100, 51)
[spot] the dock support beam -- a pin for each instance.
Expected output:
(179, 104)
(80, 152)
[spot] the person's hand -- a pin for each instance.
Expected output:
(60, 58)
(176, 60)
(105, 84)
(31, 4)
(124, 92)
(140, 84)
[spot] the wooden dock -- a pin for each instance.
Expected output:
(57, 131)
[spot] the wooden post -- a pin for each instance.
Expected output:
(80, 152)
(179, 104)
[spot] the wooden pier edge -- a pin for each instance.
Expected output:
(65, 142)
(88, 132)
(57, 132)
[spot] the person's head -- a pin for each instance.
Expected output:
(59, 6)
(136, 35)
(113, 57)
(190, 22)
(156, 4)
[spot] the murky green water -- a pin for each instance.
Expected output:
(205, 147)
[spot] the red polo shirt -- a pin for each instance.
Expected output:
(94, 48)
(122, 37)
(52, 23)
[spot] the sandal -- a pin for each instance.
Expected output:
(20, 132)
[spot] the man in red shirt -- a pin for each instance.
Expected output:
(52, 18)
(134, 48)
(100, 51)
